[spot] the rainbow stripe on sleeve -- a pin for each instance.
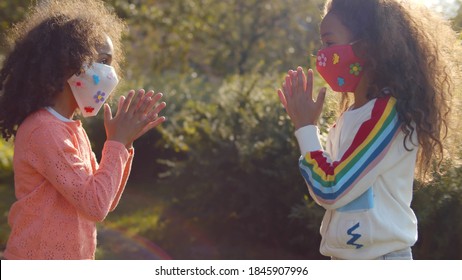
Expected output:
(331, 181)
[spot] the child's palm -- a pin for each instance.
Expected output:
(134, 117)
(297, 98)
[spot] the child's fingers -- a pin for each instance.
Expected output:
(158, 108)
(305, 84)
(136, 102)
(287, 87)
(154, 100)
(293, 82)
(309, 84)
(150, 93)
(107, 112)
(282, 98)
(145, 106)
(156, 122)
(145, 96)
(153, 119)
(120, 105)
(126, 102)
(300, 80)
(286, 91)
(157, 97)
(321, 96)
(152, 125)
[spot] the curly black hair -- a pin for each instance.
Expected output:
(57, 38)
(412, 54)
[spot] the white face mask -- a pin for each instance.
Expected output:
(92, 87)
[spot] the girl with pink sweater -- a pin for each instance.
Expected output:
(64, 60)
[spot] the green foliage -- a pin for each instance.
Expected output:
(236, 181)
(218, 38)
(438, 206)
(457, 20)
(220, 178)
(7, 199)
(11, 11)
(6, 158)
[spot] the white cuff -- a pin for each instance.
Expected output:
(308, 139)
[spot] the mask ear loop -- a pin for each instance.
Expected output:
(313, 59)
(83, 68)
(355, 50)
(354, 42)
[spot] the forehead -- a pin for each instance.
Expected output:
(332, 27)
(106, 47)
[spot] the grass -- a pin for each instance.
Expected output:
(7, 199)
(137, 213)
(148, 211)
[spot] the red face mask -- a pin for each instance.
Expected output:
(340, 67)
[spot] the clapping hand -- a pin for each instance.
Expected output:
(297, 98)
(135, 116)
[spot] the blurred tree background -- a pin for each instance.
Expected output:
(219, 180)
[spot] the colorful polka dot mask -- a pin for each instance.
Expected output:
(340, 67)
(92, 87)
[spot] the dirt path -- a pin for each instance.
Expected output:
(114, 245)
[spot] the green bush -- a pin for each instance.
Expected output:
(6, 158)
(438, 206)
(226, 160)
(230, 157)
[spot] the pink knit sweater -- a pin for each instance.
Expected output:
(60, 189)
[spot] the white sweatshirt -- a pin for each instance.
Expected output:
(364, 180)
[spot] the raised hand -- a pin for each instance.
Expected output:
(135, 116)
(297, 98)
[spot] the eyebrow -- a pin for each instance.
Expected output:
(108, 54)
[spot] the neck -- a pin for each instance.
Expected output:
(65, 103)
(360, 93)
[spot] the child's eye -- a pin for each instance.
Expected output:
(326, 44)
(104, 59)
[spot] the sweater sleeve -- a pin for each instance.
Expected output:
(334, 184)
(125, 175)
(55, 154)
